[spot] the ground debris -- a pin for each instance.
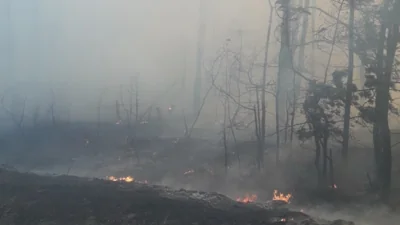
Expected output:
(64, 200)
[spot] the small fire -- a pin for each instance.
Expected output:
(281, 197)
(127, 179)
(248, 198)
(188, 172)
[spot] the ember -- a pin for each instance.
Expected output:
(281, 197)
(248, 198)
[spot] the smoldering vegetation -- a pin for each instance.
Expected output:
(283, 112)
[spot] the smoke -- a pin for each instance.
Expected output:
(359, 214)
(80, 48)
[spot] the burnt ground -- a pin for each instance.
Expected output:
(27, 199)
(164, 160)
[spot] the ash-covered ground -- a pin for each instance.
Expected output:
(195, 164)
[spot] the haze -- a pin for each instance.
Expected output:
(78, 48)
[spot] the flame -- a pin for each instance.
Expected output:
(248, 198)
(127, 179)
(188, 172)
(281, 197)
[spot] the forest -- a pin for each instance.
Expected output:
(299, 126)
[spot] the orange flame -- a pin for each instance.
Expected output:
(248, 198)
(281, 197)
(127, 179)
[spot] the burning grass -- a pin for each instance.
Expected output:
(127, 179)
(277, 196)
(281, 197)
(248, 198)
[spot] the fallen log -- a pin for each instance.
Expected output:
(66, 200)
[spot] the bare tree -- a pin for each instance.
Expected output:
(137, 99)
(18, 119)
(118, 111)
(36, 115)
(52, 108)
(99, 103)
(130, 102)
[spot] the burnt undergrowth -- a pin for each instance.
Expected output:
(32, 199)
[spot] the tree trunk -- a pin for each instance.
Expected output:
(349, 89)
(285, 69)
(325, 160)
(199, 59)
(301, 57)
(331, 171)
(382, 142)
(257, 131)
(313, 30)
(317, 161)
(264, 80)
